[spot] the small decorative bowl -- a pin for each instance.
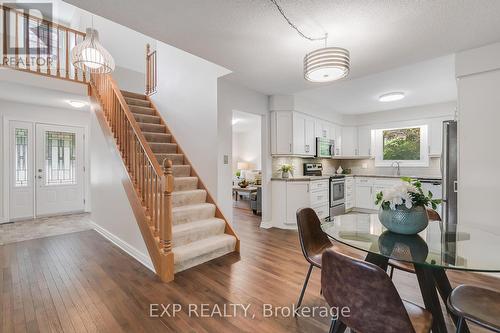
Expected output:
(403, 220)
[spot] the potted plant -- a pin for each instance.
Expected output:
(403, 207)
(285, 169)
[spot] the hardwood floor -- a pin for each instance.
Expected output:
(81, 282)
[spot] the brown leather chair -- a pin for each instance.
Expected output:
(313, 242)
(405, 266)
(374, 303)
(478, 305)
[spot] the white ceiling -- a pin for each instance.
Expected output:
(252, 39)
(427, 82)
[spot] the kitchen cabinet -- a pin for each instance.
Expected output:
(289, 196)
(349, 141)
(336, 136)
(364, 141)
(323, 129)
(436, 135)
(292, 133)
(364, 193)
(350, 194)
(281, 128)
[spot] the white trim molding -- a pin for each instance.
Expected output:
(132, 251)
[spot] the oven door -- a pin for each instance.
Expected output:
(337, 188)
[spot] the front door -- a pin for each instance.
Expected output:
(59, 169)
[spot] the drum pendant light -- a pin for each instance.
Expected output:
(91, 56)
(326, 64)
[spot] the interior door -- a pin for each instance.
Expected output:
(21, 170)
(59, 169)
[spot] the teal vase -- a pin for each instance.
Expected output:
(403, 220)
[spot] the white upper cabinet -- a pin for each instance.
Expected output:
(349, 141)
(323, 129)
(292, 133)
(436, 135)
(364, 141)
(336, 136)
(282, 134)
(304, 135)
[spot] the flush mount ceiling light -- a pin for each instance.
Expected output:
(91, 56)
(391, 97)
(325, 64)
(77, 104)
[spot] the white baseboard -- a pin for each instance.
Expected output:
(3, 220)
(132, 251)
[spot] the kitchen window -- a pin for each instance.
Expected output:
(406, 145)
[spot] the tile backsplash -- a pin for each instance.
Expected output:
(358, 167)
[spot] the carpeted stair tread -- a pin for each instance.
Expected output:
(137, 102)
(147, 119)
(157, 128)
(203, 250)
(191, 197)
(163, 147)
(185, 183)
(191, 213)
(186, 233)
(153, 137)
(177, 159)
(133, 95)
(181, 170)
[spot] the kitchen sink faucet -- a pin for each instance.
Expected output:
(396, 165)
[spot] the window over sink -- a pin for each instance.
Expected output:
(406, 145)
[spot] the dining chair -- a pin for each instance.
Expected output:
(478, 305)
(405, 266)
(313, 242)
(373, 302)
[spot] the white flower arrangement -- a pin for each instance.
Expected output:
(408, 193)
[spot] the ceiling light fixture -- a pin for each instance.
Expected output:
(325, 64)
(91, 56)
(391, 97)
(77, 104)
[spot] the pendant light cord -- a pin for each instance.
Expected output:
(282, 12)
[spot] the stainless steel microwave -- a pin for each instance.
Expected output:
(324, 148)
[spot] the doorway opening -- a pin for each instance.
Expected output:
(247, 162)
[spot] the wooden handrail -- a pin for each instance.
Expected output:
(153, 184)
(31, 30)
(151, 71)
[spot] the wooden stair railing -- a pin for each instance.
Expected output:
(153, 184)
(151, 71)
(36, 45)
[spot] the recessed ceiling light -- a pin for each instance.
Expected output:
(77, 104)
(391, 97)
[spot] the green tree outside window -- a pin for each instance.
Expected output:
(402, 144)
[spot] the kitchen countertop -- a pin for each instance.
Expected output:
(313, 178)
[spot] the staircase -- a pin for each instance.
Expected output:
(198, 235)
(178, 218)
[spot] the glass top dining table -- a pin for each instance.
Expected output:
(457, 247)
(432, 252)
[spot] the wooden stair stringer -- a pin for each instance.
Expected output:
(132, 193)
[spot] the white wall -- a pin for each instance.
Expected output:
(304, 105)
(15, 110)
(111, 210)
(478, 73)
(234, 97)
(247, 146)
(127, 46)
(413, 115)
(187, 100)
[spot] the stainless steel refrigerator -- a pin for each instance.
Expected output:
(449, 163)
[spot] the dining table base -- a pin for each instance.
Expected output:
(431, 280)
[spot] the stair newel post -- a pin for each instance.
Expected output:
(167, 271)
(148, 79)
